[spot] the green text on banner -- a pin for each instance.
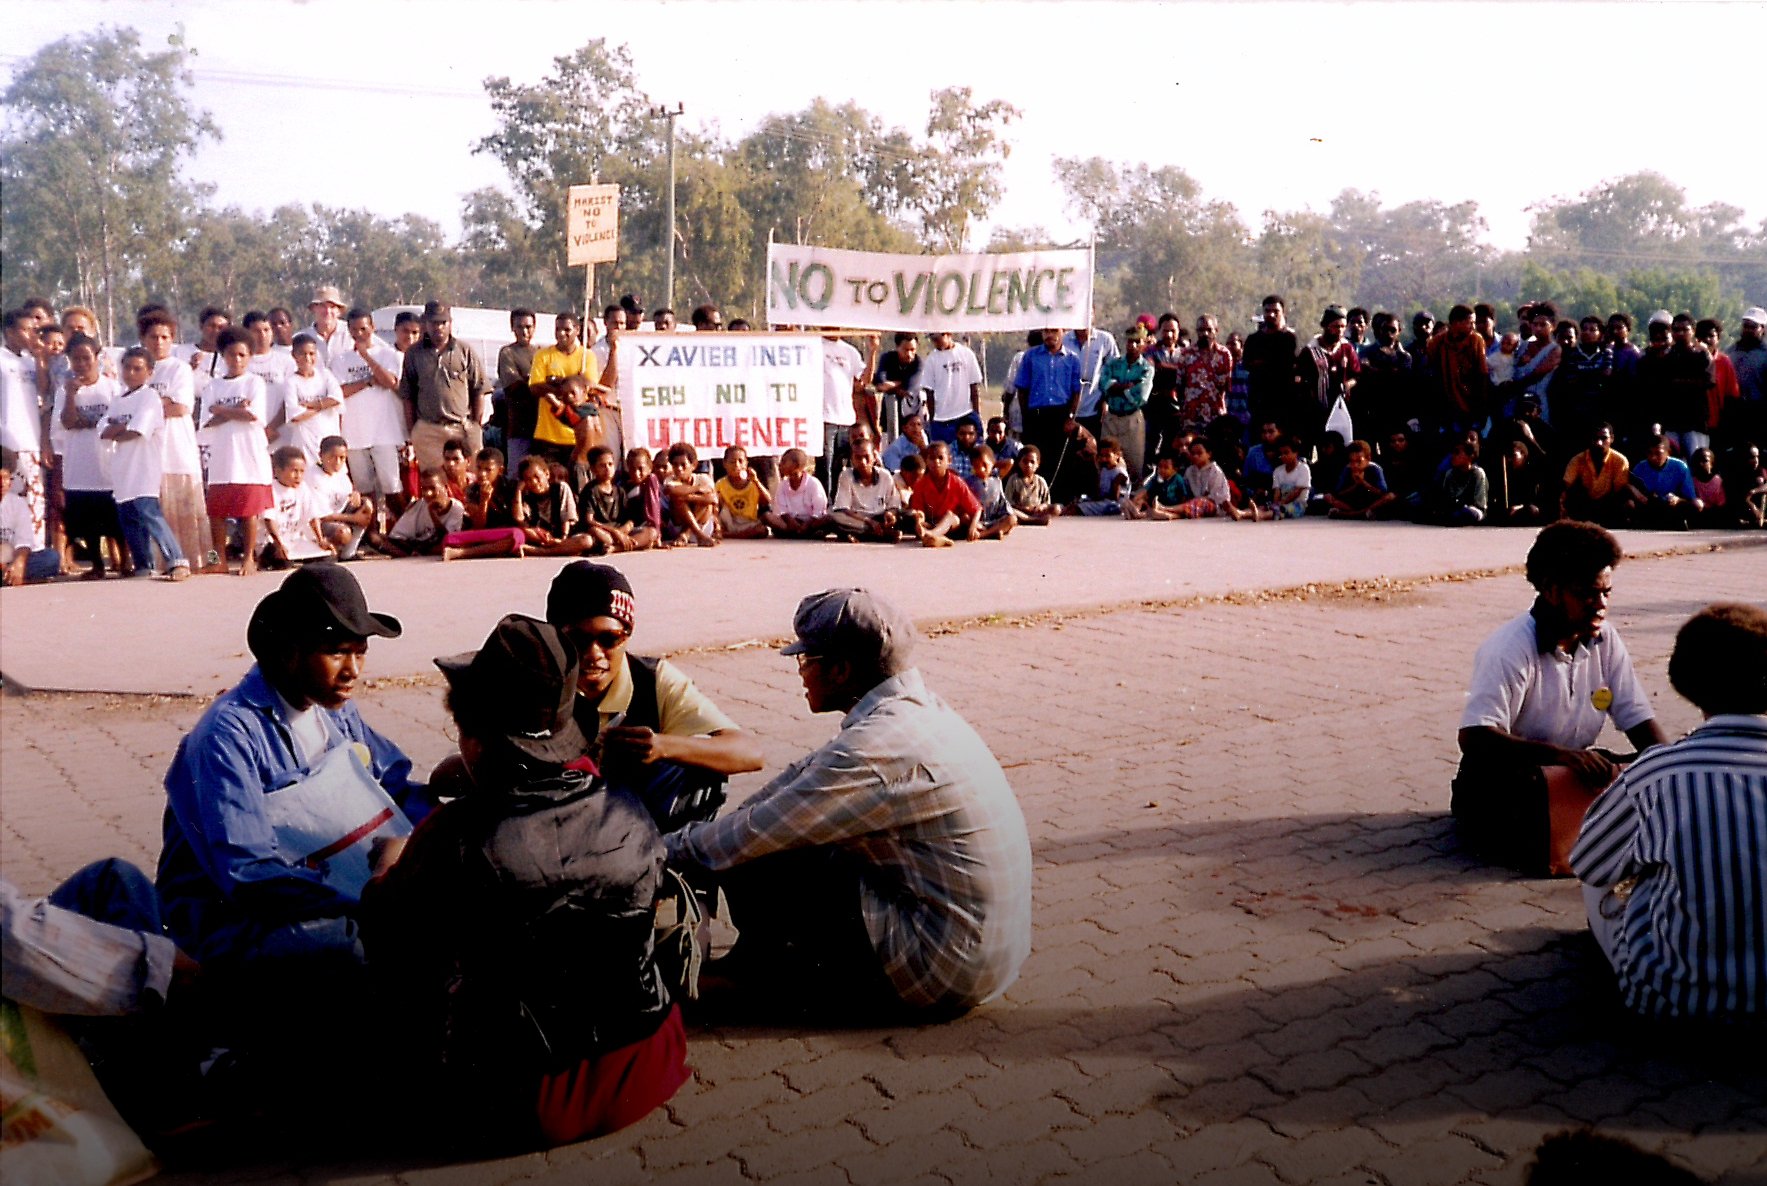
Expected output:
(982, 293)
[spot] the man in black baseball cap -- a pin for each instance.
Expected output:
(272, 927)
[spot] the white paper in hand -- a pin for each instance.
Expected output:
(329, 820)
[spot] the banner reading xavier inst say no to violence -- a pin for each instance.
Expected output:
(760, 391)
(961, 293)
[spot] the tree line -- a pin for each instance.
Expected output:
(96, 208)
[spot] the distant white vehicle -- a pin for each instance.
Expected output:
(485, 330)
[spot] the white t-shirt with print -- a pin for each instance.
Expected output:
(293, 517)
(331, 492)
(238, 452)
(85, 460)
(841, 364)
(948, 375)
(18, 527)
(299, 394)
(272, 368)
(374, 416)
(174, 380)
(137, 463)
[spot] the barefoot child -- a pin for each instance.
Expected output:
(995, 519)
(546, 512)
(693, 501)
(867, 502)
(426, 523)
(82, 401)
(1161, 494)
(1362, 490)
(1291, 482)
(1027, 491)
(293, 522)
(490, 513)
(234, 411)
(1209, 492)
(800, 505)
(133, 426)
(741, 498)
(907, 473)
(943, 504)
(345, 515)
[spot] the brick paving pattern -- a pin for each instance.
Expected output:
(1258, 958)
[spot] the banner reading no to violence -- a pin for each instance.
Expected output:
(962, 293)
(760, 391)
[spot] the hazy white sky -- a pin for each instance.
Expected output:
(1270, 105)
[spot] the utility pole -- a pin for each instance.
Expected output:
(660, 112)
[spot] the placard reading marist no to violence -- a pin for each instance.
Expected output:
(760, 391)
(984, 293)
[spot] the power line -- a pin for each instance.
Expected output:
(296, 83)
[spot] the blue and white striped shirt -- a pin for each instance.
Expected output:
(1688, 824)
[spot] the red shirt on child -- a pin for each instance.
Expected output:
(934, 500)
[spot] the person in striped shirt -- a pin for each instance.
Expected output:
(1673, 858)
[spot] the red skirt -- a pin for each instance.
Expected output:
(620, 1087)
(236, 500)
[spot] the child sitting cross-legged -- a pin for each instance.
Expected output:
(1463, 493)
(491, 529)
(1362, 489)
(344, 514)
(1027, 491)
(25, 556)
(800, 504)
(1162, 492)
(426, 523)
(293, 520)
(693, 500)
(546, 511)
(943, 505)
(1112, 490)
(1209, 493)
(605, 507)
(867, 501)
(995, 519)
(1291, 481)
(741, 498)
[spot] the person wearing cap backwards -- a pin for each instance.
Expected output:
(517, 925)
(654, 730)
(232, 898)
(328, 308)
(887, 874)
(444, 388)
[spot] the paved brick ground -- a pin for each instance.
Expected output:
(1258, 958)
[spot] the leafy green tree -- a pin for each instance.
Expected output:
(96, 132)
(957, 173)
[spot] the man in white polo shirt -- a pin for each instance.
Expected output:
(1542, 688)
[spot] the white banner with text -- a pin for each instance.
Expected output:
(981, 293)
(760, 391)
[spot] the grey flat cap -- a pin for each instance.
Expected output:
(852, 623)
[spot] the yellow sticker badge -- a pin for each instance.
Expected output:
(1602, 698)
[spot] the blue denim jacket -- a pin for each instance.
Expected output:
(228, 894)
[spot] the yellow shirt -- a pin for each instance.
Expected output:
(1581, 472)
(743, 503)
(552, 363)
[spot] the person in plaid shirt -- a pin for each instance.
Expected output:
(887, 873)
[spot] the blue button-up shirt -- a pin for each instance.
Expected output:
(1050, 380)
(227, 890)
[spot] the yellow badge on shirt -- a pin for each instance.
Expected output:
(1602, 698)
